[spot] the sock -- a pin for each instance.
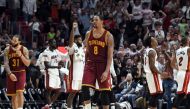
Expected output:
(87, 106)
(112, 105)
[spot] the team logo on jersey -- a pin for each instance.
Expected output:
(182, 52)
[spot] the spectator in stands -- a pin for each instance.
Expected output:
(14, 6)
(128, 87)
(51, 34)
(35, 29)
(29, 9)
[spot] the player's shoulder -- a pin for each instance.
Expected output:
(151, 52)
(88, 32)
(24, 48)
(7, 48)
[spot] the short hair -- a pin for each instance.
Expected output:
(147, 41)
(184, 41)
(17, 36)
(100, 16)
(77, 36)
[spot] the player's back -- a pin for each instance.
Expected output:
(15, 62)
(97, 50)
(182, 58)
(146, 60)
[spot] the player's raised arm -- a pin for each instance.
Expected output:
(151, 56)
(71, 39)
(174, 61)
(86, 38)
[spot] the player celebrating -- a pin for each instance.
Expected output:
(16, 60)
(77, 56)
(52, 57)
(99, 52)
(152, 73)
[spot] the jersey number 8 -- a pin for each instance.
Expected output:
(95, 50)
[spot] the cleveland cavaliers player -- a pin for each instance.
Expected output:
(152, 74)
(99, 52)
(16, 60)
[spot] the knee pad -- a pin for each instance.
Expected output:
(112, 97)
(104, 97)
(85, 93)
(95, 98)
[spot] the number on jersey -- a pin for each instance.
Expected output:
(15, 62)
(95, 50)
(180, 61)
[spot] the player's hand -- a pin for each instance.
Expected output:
(104, 76)
(75, 25)
(19, 53)
(12, 77)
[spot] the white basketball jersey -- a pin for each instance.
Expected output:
(146, 60)
(182, 58)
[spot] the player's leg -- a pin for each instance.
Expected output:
(11, 91)
(20, 99)
(55, 96)
(48, 96)
(86, 97)
(89, 80)
(14, 101)
(112, 100)
(95, 99)
(70, 99)
(104, 97)
(104, 87)
(20, 85)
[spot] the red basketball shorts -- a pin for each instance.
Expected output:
(92, 72)
(16, 86)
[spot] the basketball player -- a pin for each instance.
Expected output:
(99, 52)
(16, 60)
(52, 57)
(182, 59)
(152, 73)
(77, 56)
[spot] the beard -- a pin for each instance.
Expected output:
(79, 44)
(15, 45)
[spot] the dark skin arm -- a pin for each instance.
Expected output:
(173, 62)
(153, 68)
(47, 65)
(71, 39)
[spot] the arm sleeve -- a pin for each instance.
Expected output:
(6, 61)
